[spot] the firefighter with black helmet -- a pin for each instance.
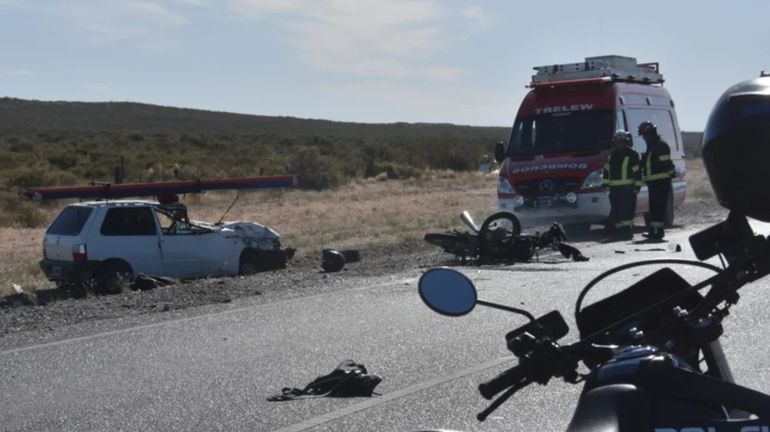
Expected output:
(657, 171)
(622, 175)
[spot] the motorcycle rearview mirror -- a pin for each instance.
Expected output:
(448, 292)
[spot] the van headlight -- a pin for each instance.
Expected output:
(593, 180)
(504, 186)
(518, 201)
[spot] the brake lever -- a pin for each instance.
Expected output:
(501, 399)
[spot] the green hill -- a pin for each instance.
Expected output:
(60, 143)
(28, 115)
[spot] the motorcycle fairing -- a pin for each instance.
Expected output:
(612, 408)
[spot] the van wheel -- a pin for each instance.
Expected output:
(113, 277)
(249, 263)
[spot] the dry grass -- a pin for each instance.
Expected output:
(698, 185)
(362, 214)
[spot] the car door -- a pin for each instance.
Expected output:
(193, 251)
(129, 233)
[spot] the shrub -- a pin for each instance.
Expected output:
(315, 171)
(397, 171)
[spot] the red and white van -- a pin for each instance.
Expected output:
(552, 165)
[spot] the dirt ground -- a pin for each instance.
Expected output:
(23, 322)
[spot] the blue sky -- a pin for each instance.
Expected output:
(462, 62)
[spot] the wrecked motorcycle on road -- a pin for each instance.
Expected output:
(499, 239)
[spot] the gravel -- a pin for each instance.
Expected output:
(24, 324)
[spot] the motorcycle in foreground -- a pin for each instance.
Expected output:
(651, 352)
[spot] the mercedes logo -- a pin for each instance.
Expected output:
(546, 186)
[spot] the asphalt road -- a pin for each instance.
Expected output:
(213, 372)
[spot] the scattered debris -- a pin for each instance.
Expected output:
(333, 260)
(145, 282)
(674, 247)
(349, 379)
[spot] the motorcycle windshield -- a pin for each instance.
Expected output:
(560, 133)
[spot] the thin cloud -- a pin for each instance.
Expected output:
(467, 102)
(199, 3)
(120, 20)
(477, 16)
(381, 38)
(17, 73)
(99, 88)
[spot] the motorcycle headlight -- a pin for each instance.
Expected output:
(504, 186)
(593, 180)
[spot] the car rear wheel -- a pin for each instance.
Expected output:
(113, 277)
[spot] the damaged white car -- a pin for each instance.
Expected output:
(109, 243)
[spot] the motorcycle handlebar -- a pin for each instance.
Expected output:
(516, 375)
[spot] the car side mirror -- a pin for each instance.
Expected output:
(499, 152)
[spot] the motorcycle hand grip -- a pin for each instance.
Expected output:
(506, 379)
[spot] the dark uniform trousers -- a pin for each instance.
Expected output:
(622, 175)
(658, 191)
(622, 208)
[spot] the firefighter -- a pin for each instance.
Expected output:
(657, 170)
(622, 176)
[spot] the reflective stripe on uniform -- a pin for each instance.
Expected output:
(660, 176)
(657, 224)
(624, 223)
(620, 182)
(648, 168)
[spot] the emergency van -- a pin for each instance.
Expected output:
(551, 167)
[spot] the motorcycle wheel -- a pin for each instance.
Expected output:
(497, 234)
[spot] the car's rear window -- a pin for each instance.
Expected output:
(71, 221)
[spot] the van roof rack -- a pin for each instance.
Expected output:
(597, 69)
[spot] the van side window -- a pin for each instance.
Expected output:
(660, 118)
(134, 221)
(621, 122)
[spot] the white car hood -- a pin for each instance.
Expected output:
(251, 233)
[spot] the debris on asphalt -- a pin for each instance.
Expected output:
(333, 260)
(349, 379)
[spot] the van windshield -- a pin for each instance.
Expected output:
(568, 132)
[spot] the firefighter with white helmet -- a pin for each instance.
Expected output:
(657, 170)
(622, 176)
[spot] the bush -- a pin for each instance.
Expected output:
(397, 171)
(14, 212)
(316, 172)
